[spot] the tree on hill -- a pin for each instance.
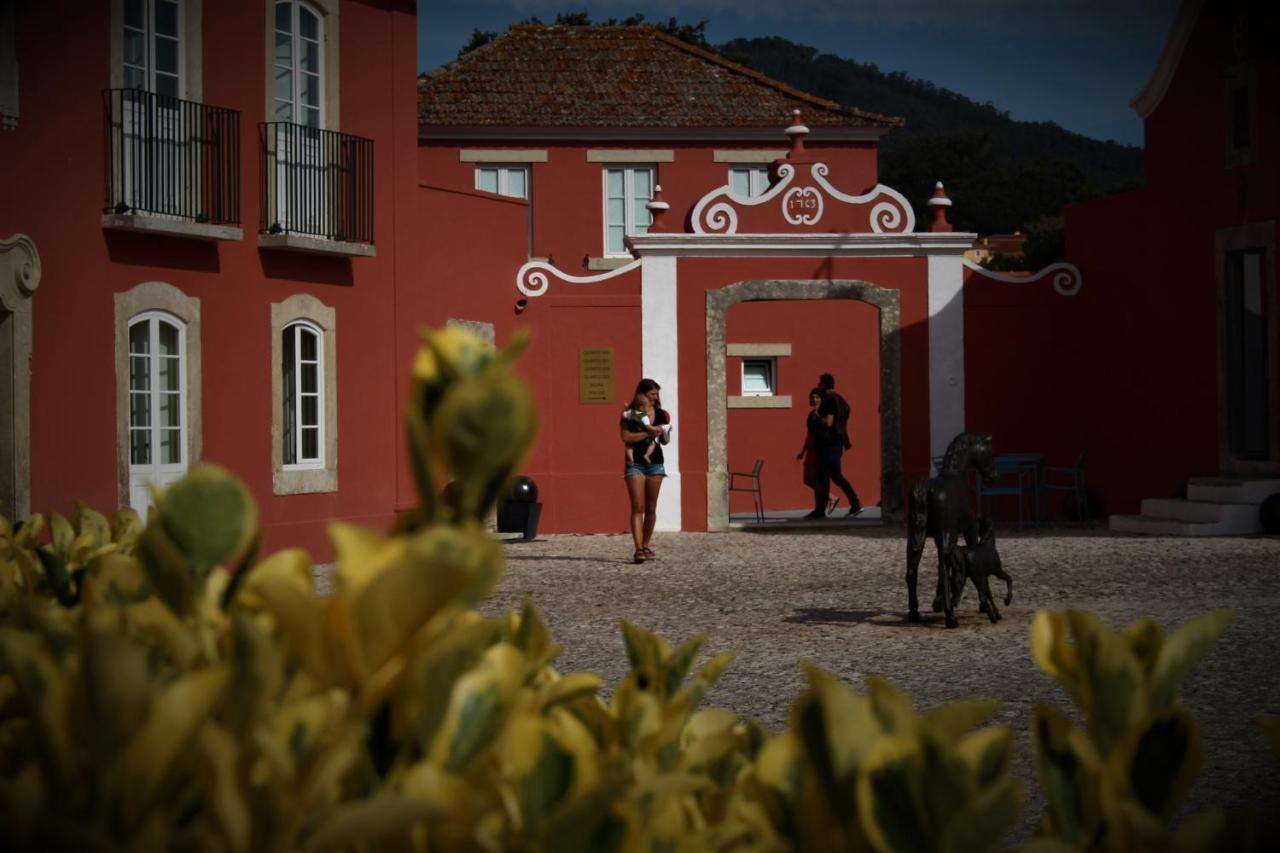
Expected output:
(1002, 174)
(694, 34)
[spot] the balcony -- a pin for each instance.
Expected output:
(317, 190)
(172, 166)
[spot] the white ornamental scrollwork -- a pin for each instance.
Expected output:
(809, 202)
(1067, 279)
(714, 216)
(533, 279)
(893, 215)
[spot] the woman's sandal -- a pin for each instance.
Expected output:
(648, 553)
(640, 556)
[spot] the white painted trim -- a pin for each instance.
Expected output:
(946, 352)
(1067, 278)
(502, 155)
(738, 155)
(768, 136)
(799, 245)
(631, 156)
(759, 401)
(660, 361)
(291, 242)
(757, 350)
(1145, 102)
(155, 224)
(532, 278)
(716, 212)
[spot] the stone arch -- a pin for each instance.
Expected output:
(19, 278)
(886, 302)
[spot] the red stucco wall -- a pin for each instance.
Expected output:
(53, 162)
(1148, 370)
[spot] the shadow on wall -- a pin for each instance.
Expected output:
(160, 250)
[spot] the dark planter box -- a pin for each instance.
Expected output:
(519, 518)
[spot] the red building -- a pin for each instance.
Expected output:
(203, 201)
(773, 264)
(202, 196)
(1180, 376)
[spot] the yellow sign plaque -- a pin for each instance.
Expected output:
(595, 375)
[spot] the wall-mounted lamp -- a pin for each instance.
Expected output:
(521, 304)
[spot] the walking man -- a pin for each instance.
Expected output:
(834, 412)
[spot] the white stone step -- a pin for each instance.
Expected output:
(1233, 491)
(1160, 526)
(1181, 509)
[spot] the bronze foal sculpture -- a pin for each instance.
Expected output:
(939, 507)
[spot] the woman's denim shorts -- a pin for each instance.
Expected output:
(641, 469)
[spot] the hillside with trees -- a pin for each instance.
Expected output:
(1004, 175)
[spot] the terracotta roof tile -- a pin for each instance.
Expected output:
(554, 76)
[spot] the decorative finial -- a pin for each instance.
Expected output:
(938, 203)
(656, 208)
(797, 131)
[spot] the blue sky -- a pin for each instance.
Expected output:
(1075, 62)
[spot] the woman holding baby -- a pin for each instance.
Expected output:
(645, 427)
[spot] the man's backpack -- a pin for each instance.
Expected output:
(841, 424)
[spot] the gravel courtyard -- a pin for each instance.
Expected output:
(837, 597)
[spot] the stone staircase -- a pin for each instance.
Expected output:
(1214, 506)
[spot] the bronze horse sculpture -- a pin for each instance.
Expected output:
(939, 507)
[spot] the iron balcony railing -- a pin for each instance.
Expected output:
(316, 182)
(171, 157)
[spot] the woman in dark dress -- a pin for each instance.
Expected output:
(644, 478)
(814, 429)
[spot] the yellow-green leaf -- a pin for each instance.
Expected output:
(889, 797)
(1163, 756)
(172, 723)
(984, 820)
(1181, 652)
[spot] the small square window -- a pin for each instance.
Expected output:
(510, 181)
(748, 181)
(758, 377)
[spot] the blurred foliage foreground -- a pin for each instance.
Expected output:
(164, 688)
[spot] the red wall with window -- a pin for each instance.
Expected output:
(54, 163)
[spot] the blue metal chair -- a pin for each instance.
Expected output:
(1017, 474)
(750, 483)
(1071, 480)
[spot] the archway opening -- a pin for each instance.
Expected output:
(885, 303)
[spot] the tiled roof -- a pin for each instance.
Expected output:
(554, 76)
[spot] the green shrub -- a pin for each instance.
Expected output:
(165, 688)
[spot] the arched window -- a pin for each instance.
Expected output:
(157, 404)
(302, 395)
(298, 64)
(304, 391)
(157, 368)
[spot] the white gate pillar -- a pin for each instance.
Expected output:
(946, 351)
(660, 361)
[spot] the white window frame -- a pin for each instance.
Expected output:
(301, 463)
(770, 377)
(629, 226)
(503, 172)
(163, 299)
(149, 38)
(757, 180)
(308, 476)
(153, 390)
(295, 69)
